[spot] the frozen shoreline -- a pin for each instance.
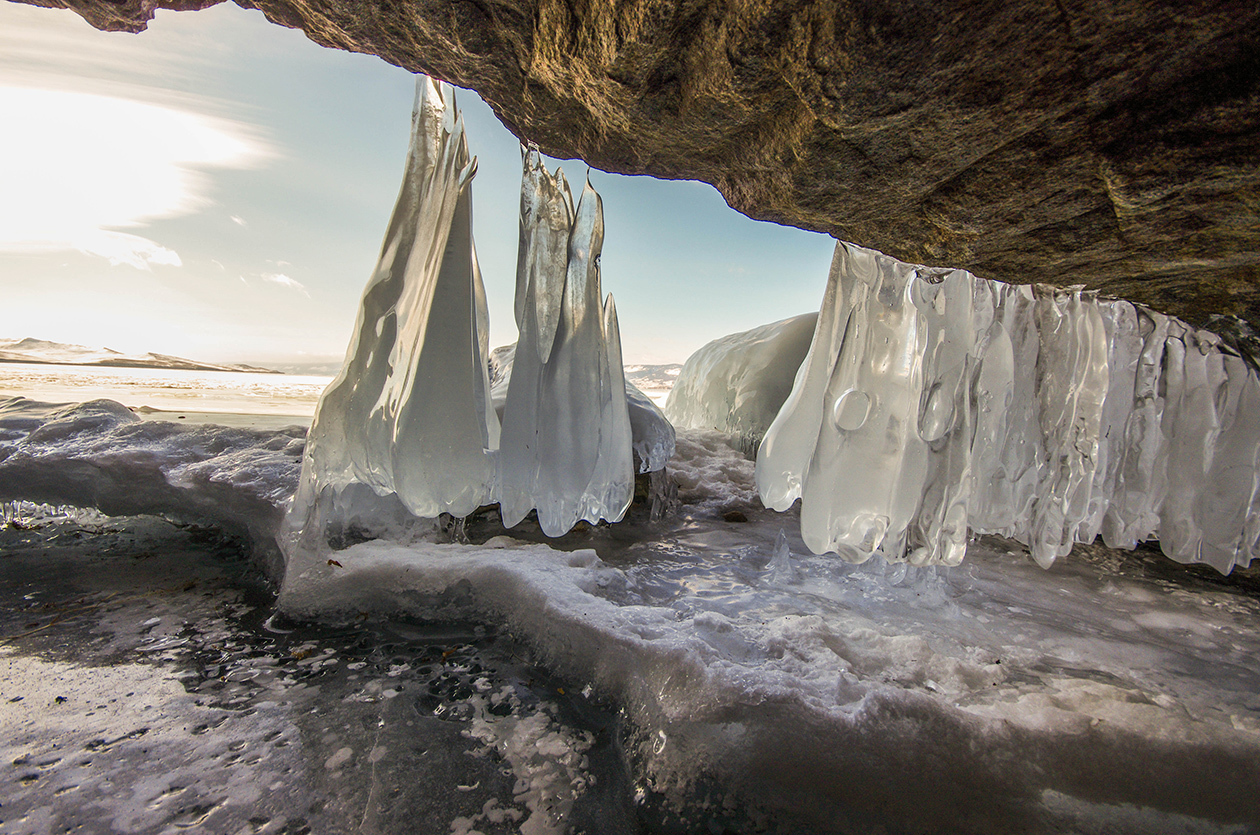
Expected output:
(1106, 689)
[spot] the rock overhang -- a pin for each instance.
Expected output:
(1113, 146)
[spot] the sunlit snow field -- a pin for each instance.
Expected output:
(680, 675)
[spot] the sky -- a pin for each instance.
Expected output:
(217, 187)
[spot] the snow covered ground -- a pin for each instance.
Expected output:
(730, 681)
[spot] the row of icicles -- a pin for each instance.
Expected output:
(932, 404)
(410, 417)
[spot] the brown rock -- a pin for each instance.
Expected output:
(1115, 145)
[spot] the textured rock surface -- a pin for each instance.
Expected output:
(1115, 145)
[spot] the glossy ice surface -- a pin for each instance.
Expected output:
(567, 444)
(933, 402)
(652, 433)
(408, 424)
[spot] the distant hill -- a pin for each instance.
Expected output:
(58, 353)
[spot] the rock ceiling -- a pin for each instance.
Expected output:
(1113, 144)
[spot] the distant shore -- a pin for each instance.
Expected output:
(172, 364)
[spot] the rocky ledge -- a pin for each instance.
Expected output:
(1114, 145)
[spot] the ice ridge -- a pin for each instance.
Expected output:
(933, 402)
(100, 455)
(566, 447)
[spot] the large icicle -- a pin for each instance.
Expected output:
(933, 401)
(408, 423)
(566, 447)
(652, 433)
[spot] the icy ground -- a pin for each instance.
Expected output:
(685, 675)
(150, 689)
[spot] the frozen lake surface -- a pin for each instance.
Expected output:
(698, 673)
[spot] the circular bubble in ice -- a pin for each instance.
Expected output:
(895, 573)
(851, 410)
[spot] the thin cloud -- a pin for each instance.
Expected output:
(57, 49)
(132, 250)
(284, 281)
(79, 167)
(238, 220)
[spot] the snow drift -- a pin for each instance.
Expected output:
(737, 384)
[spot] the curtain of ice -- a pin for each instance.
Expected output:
(408, 422)
(566, 444)
(933, 401)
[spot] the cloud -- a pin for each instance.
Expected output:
(132, 250)
(238, 220)
(284, 281)
(79, 167)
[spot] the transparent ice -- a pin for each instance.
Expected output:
(566, 444)
(932, 402)
(408, 423)
(652, 433)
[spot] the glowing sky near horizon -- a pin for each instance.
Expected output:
(217, 187)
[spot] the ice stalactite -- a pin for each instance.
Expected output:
(933, 402)
(566, 445)
(408, 425)
(652, 433)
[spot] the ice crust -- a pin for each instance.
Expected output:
(566, 447)
(736, 384)
(652, 434)
(917, 698)
(933, 402)
(100, 455)
(991, 696)
(408, 424)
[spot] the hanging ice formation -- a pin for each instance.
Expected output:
(652, 434)
(408, 423)
(566, 445)
(932, 401)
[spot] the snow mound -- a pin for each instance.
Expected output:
(736, 384)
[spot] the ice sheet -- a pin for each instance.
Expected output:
(1105, 694)
(100, 455)
(994, 692)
